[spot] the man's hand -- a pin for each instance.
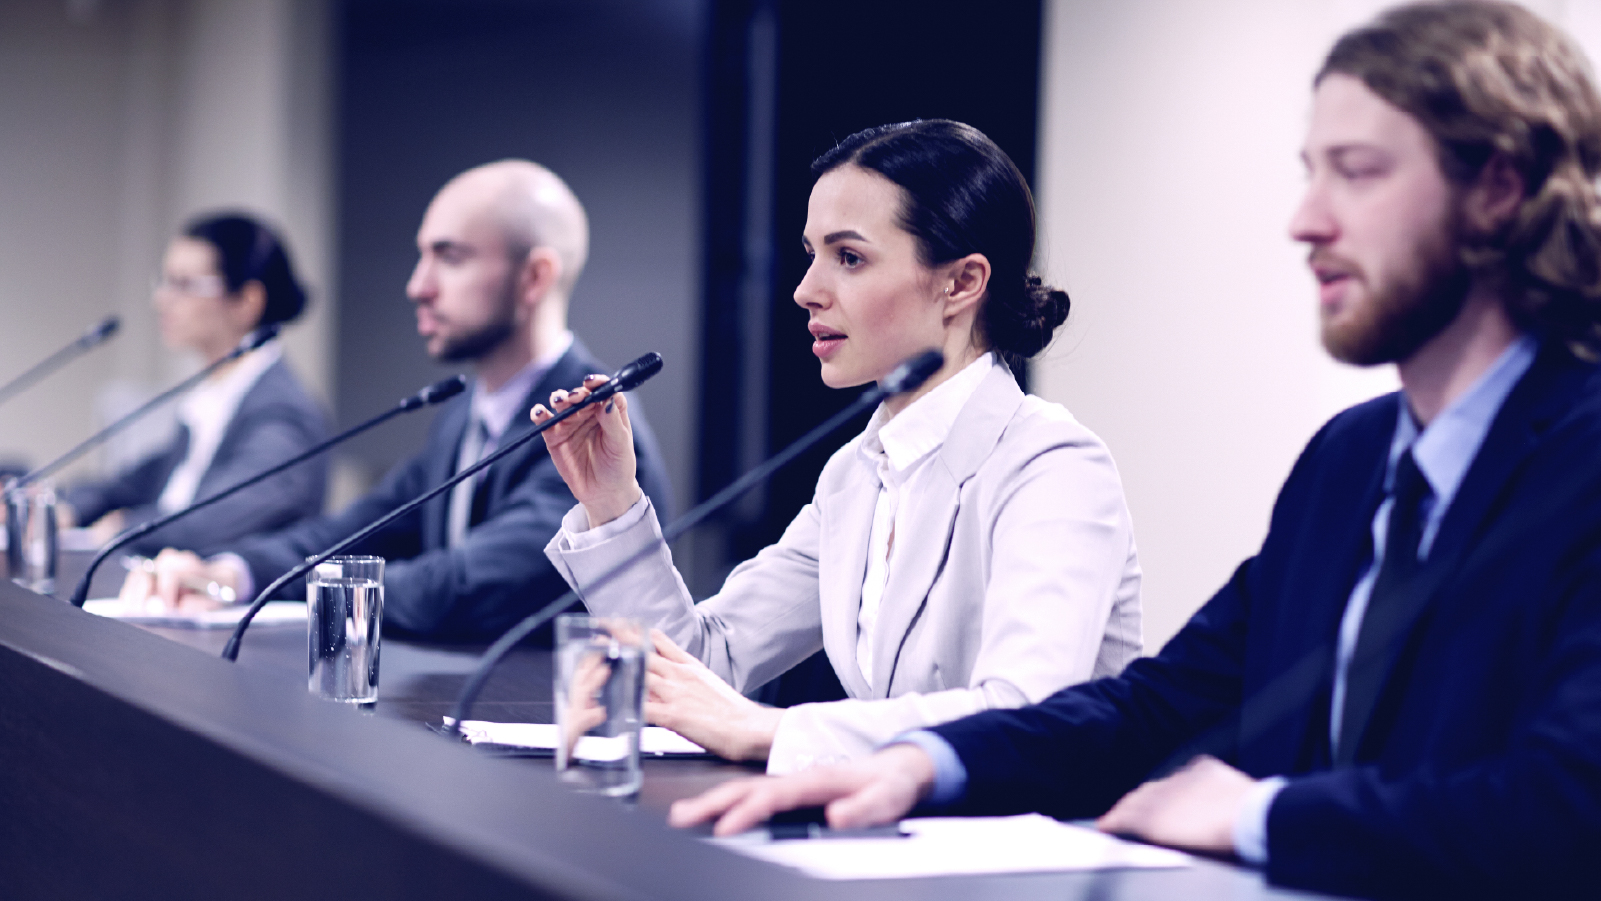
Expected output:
(686, 697)
(880, 789)
(176, 580)
(1195, 808)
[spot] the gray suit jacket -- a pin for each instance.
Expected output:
(1025, 581)
(275, 420)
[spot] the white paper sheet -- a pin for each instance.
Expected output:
(959, 846)
(653, 740)
(272, 613)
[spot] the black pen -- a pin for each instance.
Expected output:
(780, 832)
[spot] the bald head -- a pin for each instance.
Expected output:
(531, 207)
(498, 252)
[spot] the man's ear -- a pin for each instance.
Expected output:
(1494, 197)
(541, 272)
(965, 280)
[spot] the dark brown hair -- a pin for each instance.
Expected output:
(1487, 78)
(962, 194)
(249, 251)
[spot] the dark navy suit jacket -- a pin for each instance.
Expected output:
(275, 420)
(1479, 772)
(499, 574)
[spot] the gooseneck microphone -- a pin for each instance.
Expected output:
(908, 376)
(251, 341)
(81, 345)
(433, 394)
(626, 379)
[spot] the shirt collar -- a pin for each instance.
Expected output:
(1446, 448)
(921, 428)
(216, 398)
(495, 409)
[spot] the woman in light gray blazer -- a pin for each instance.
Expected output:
(970, 549)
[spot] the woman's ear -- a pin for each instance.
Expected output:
(966, 280)
(250, 303)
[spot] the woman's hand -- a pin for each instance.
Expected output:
(583, 710)
(593, 450)
(686, 697)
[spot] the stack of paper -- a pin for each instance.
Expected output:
(959, 846)
(653, 740)
(272, 613)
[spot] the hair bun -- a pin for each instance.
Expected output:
(1023, 327)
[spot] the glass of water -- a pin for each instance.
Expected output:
(344, 615)
(600, 702)
(31, 536)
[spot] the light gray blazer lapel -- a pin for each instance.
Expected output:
(846, 525)
(926, 519)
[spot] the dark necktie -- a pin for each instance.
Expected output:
(461, 497)
(1378, 639)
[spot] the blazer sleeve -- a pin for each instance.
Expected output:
(137, 486)
(766, 618)
(475, 591)
(1075, 753)
(1060, 550)
(270, 556)
(262, 438)
(494, 578)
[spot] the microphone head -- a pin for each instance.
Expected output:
(636, 373)
(441, 390)
(258, 337)
(444, 389)
(910, 375)
(105, 329)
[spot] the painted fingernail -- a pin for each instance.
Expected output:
(592, 376)
(610, 404)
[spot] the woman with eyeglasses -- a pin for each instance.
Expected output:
(223, 277)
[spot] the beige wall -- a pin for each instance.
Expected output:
(117, 122)
(1170, 134)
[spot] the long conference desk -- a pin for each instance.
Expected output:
(134, 763)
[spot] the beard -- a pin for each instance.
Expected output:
(476, 344)
(1404, 311)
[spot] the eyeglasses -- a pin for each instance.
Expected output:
(207, 286)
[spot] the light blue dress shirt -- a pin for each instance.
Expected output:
(1443, 450)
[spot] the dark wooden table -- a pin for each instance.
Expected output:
(135, 763)
(419, 682)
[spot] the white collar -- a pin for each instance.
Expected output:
(495, 409)
(1444, 451)
(921, 428)
(215, 399)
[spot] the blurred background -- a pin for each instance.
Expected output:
(1161, 138)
